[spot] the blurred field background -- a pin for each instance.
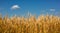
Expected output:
(42, 24)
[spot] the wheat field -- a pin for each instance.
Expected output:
(42, 24)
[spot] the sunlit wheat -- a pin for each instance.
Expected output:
(42, 24)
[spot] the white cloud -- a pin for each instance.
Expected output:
(52, 9)
(15, 7)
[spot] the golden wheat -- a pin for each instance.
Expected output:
(42, 24)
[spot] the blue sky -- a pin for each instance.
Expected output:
(22, 7)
